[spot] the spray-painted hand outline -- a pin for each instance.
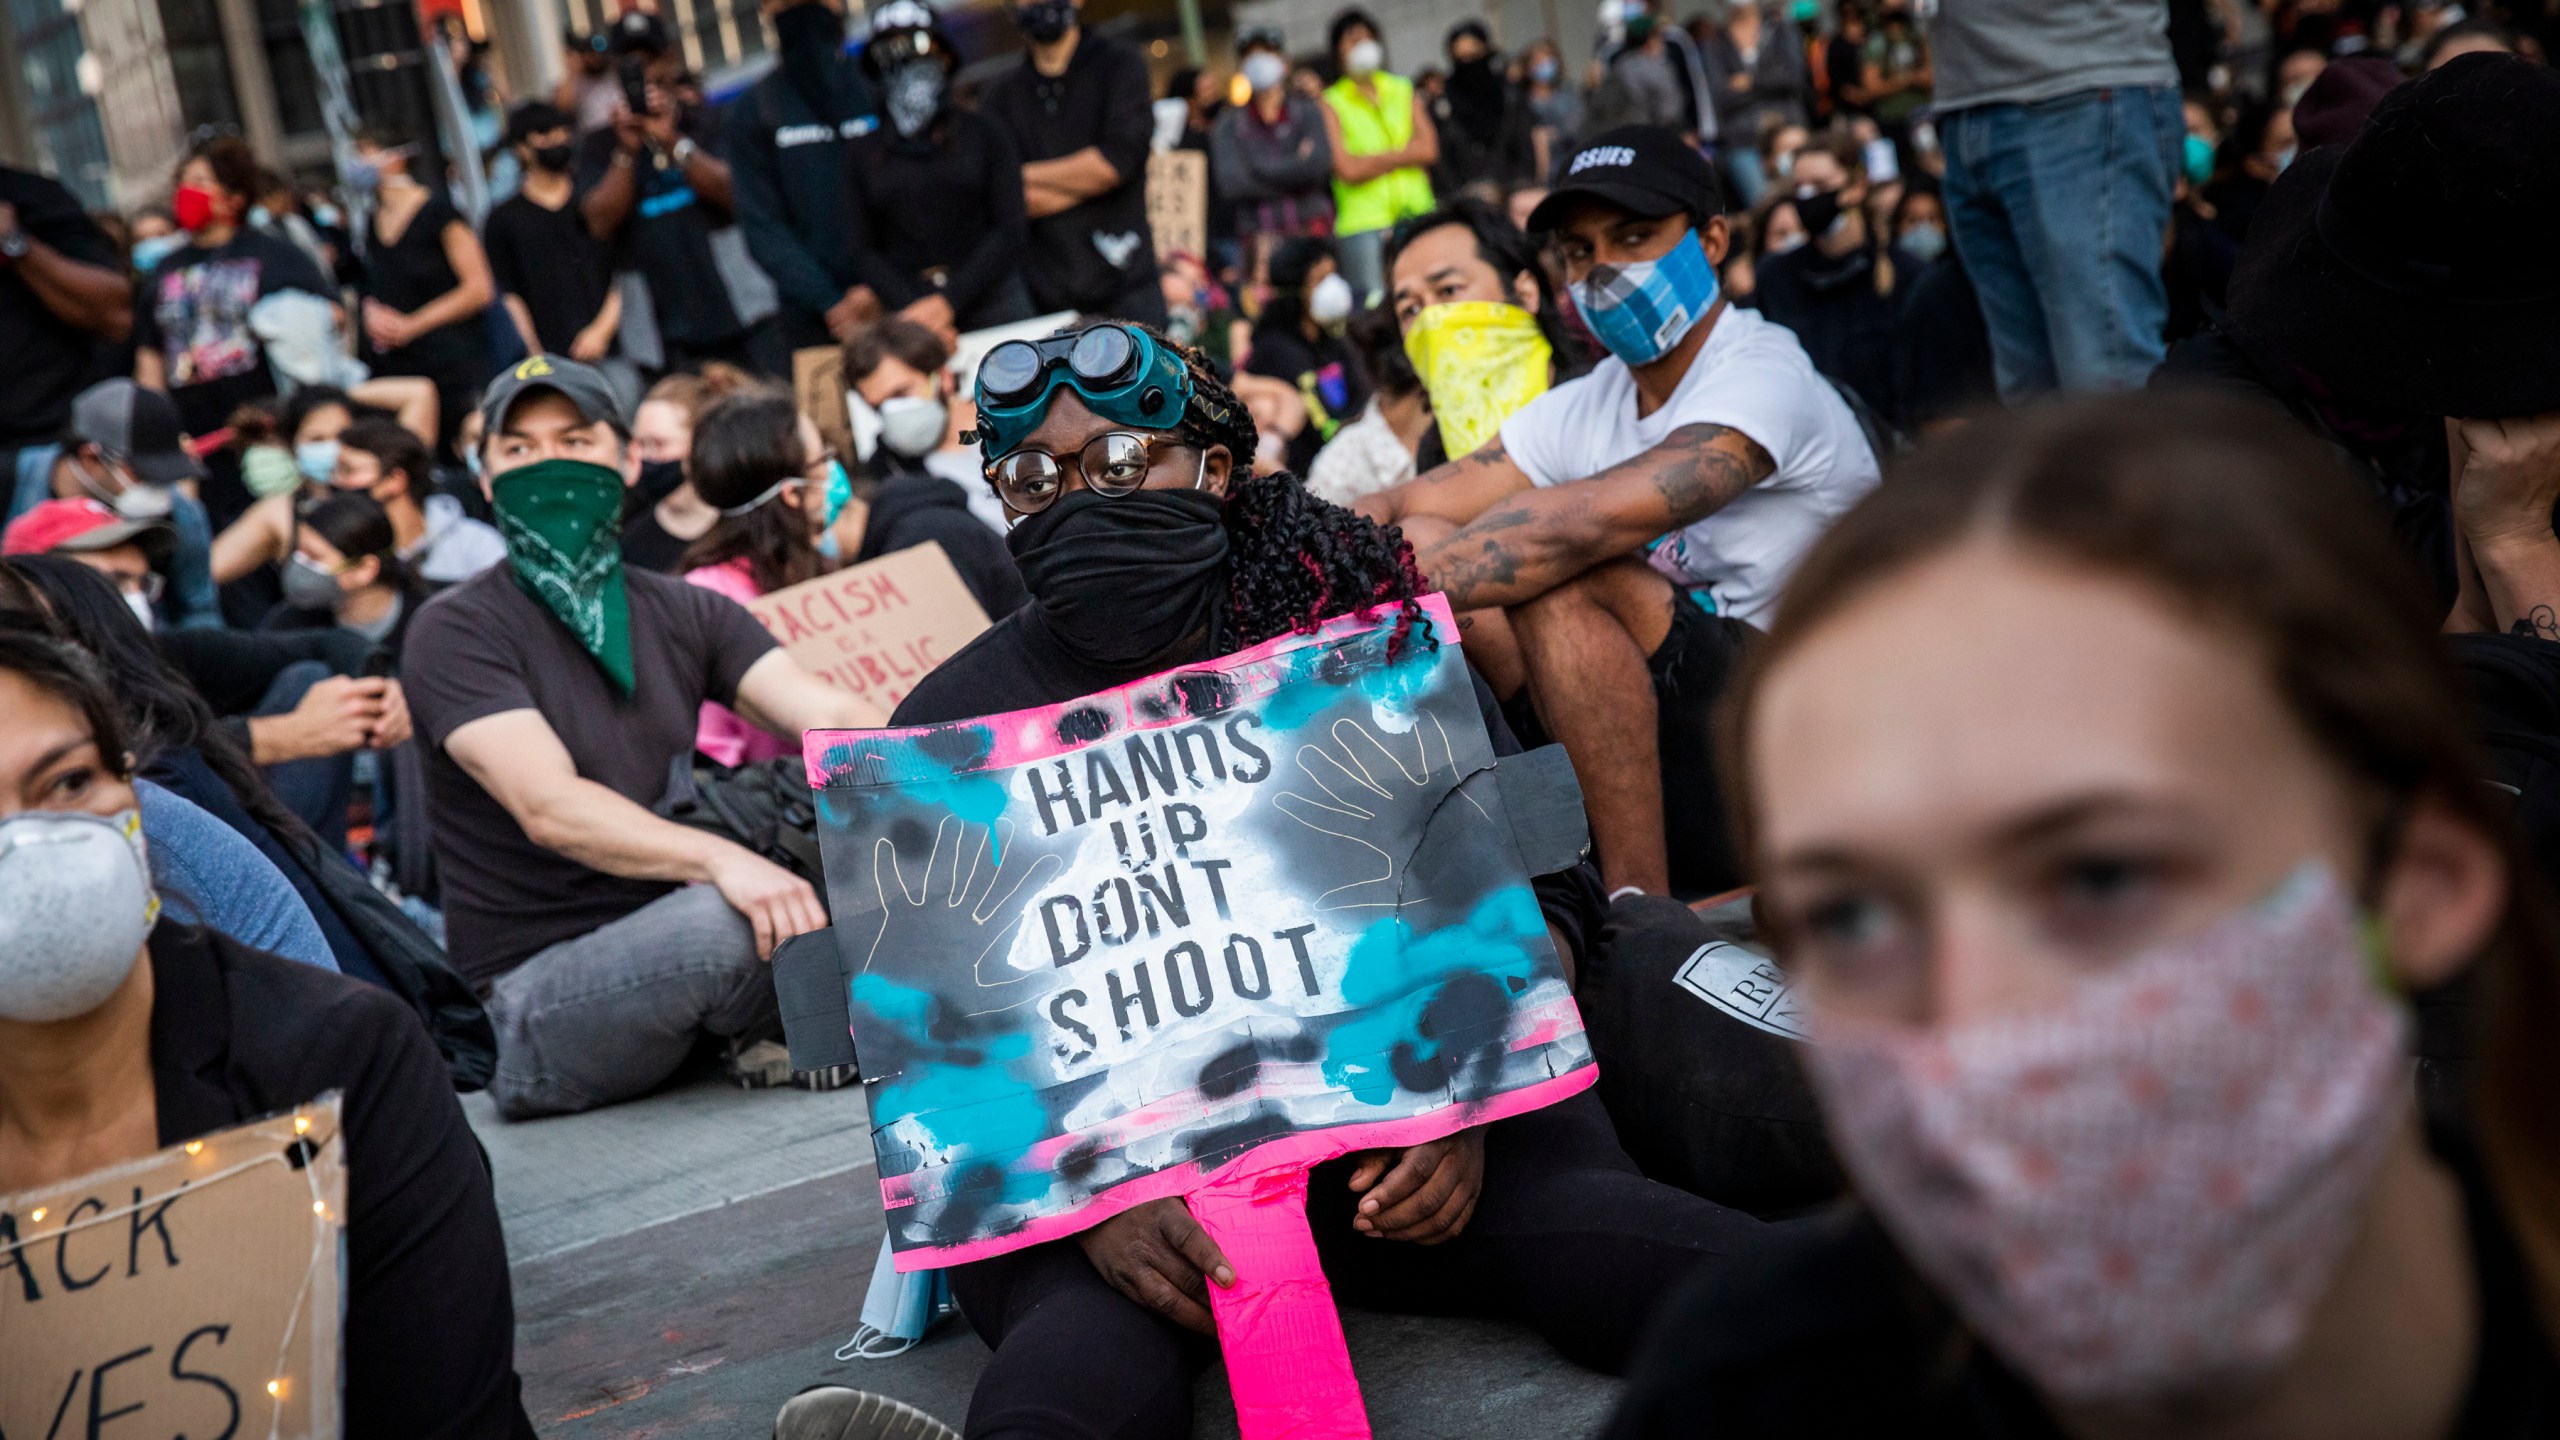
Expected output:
(1343, 786)
(994, 883)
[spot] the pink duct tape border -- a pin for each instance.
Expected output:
(1304, 1151)
(1024, 736)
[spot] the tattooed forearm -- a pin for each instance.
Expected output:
(2540, 623)
(1457, 491)
(1699, 469)
(1534, 541)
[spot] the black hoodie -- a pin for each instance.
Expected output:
(913, 506)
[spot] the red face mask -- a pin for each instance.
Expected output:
(191, 207)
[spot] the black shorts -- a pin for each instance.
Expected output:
(1690, 668)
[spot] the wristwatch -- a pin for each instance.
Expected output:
(13, 245)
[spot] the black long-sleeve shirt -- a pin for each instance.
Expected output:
(430, 1319)
(954, 205)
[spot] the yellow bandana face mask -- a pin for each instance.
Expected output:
(1481, 362)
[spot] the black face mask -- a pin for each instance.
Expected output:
(1817, 211)
(810, 26)
(1122, 582)
(658, 480)
(552, 157)
(1044, 20)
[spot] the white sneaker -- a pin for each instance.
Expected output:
(834, 1412)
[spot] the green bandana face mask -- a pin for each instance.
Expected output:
(560, 521)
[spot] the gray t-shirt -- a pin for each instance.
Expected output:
(1989, 52)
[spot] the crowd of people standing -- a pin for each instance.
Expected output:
(2052, 506)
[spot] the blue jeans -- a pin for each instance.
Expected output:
(2060, 210)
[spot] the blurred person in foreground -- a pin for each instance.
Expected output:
(1635, 526)
(124, 1030)
(2179, 1004)
(553, 693)
(2396, 298)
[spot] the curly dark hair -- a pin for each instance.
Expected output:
(1296, 561)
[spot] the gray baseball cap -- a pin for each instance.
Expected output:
(137, 427)
(581, 385)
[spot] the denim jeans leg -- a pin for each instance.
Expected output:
(2092, 217)
(1984, 172)
(606, 1016)
(317, 788)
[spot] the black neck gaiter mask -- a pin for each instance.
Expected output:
(1121, 582)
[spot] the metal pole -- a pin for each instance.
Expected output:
(1195, 42)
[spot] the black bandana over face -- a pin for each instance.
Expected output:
(1122, 582)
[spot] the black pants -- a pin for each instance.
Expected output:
(1567, 1238)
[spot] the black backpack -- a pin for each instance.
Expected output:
(765, 806)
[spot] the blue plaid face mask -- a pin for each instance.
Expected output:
(1641, 310)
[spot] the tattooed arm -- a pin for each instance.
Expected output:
(1534, 541)
(2506, 479)
(1457, 492)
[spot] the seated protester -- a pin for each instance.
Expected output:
(1706, 439)
(759, 462)
(2335, 318)
(1841, 290)
(920, 498)
(1180, 560)
(903, 372)
(123, 450)
(1499, 338)
(1298, 339)
(1376, 450)
(305, 426)
(346, 572)
(661, 514)
(128, 1030)
(436, 542)
(935, 224)
(554, 694)
(132, 554)
(2114, 978)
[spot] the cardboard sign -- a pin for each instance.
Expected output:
(191, 1292)
(817, 386)
(876, 628)
(1257, 913)
(1178, 201)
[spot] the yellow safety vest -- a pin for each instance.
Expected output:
(1376, 130)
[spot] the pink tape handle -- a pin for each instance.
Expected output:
(1278, 1326)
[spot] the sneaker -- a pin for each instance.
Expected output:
(760, 1066)
(833, 1412)
(831, 1077)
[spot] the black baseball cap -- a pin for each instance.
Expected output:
(1642, 169)
(136, 426)
(581, 385)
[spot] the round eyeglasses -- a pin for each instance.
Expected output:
(1113, 464)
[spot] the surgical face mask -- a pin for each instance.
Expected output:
(259, 218)
(308, 587)
(1783, 162)
(140, 605)
(1329, 303)
(325, 215)
(1789, 245)
(1925, 241)
(149, 251)
(839, 491)
(1265, 72)
(1364, 58)
(1543, 71)
(913, 425)
(363, 175)
(132, 500)
(76, 903)
(316, 459)
(269, 470)
(1641, 311)
(2140, 1193)
(2284, 158)
(2197, 157)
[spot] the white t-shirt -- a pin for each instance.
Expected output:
(1750, 376)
